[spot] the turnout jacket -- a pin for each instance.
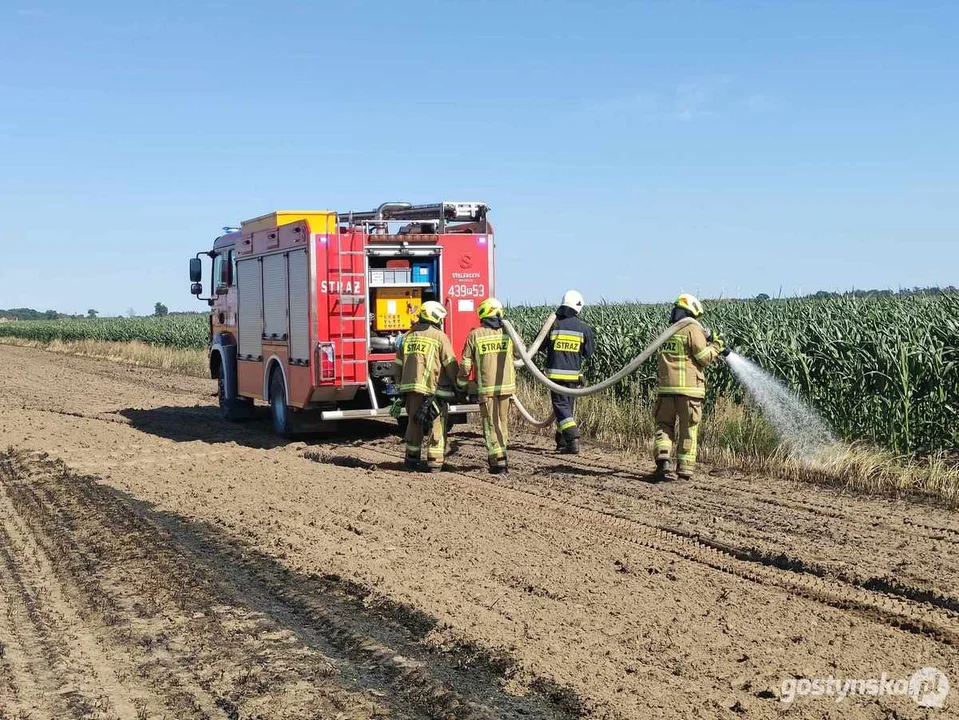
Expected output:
(682, 359)
(570, 342)
(425, 362)
(489, 350)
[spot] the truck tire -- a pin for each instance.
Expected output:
(235, 409)
(280, 412)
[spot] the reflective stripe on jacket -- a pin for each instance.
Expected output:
(425, 362)
(681, 362)
(489, 351)
(570, 342)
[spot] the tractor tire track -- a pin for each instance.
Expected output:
(51, 629)
(749, 527)
(770, 530)
(734, 485)
(765, 570)
(915, 610)
(877, 598)
(222, 639)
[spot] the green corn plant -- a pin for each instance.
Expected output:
(882, 369)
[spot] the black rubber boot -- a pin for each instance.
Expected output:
(499, 467)
(574, 446)
(684, 472)
(560, 443)
(662, 470)
(411, 464)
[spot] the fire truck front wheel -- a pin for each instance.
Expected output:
(233, 409)
(280, 411)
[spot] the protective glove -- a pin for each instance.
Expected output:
(719, 342)
(724, 348)
(397, 407)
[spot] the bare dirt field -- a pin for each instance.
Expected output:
(156, 562)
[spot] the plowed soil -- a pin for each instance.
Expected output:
(157, 562)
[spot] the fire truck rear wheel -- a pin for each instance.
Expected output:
(280, 411)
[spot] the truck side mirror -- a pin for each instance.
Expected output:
(196, 271)
(196, 288)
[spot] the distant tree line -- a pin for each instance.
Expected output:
(825, 294)
(31, 314)
(159, 310)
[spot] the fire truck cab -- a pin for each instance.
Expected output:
(307, 307)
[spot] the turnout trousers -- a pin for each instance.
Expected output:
(435, 440)
(494, 412)
(682, 411)
(563, 408)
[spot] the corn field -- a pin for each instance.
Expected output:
(178, 331)
(883, 369)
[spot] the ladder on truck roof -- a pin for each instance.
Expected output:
(441, 213)
(348, 336)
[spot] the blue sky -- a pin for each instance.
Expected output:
(632, 150)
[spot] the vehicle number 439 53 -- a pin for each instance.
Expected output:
(468, 291)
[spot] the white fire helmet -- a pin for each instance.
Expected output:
(573, 300)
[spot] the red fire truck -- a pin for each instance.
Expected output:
(307, 307)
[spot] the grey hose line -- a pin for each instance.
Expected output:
(534, 348)
(609, 382)
(528, 416)
(531, 351)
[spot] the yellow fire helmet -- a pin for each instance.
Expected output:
(691, 304)
(490, 307)
(432, 311)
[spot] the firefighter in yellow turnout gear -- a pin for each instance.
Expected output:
(682, 387)
(489, 351)
(425, 369)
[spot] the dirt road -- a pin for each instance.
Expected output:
(157, 563)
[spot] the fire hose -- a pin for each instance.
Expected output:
(526, 360)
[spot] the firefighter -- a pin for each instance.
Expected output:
(489, 351)
(570, 342)
(425, 369)
(682, 387)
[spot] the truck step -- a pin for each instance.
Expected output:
(383, 412)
